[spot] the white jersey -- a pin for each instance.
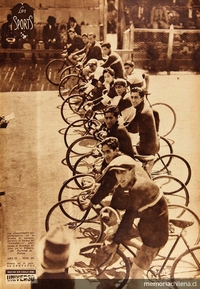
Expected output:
(136, 76)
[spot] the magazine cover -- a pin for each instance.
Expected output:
(99, 145)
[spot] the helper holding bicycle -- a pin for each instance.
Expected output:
(137, 195)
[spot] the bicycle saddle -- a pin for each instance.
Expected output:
(144, 158)
(181, 223)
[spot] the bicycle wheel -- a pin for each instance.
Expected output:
(174, 165)
(186, 268)
(191, 233)
(72, 187)
(88, 164)
(167, 118)
(54, 69)
(79, 128)
(67, 83)
(174, 190)
(165, 148)
(68, 70)
(68, 213)
(79, 147)
(105, 271)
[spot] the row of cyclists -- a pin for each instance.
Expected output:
(119, 92)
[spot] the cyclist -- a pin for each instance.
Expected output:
(113, 60)
(120, 99)
(144, 124)
(141, 198)
(114, 129)
(136, 77)
(76, 43)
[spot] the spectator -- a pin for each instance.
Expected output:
(57, 250)
(73, 24)
(159, 17)
(113, 60)
(139, 15)
(9, 39)
(136, 77)
(188, 16)
(111, 17)
(8, 32)
(50, 34)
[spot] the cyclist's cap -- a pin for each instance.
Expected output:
(129, 63)
(84, 34)
(120, 81)
(92, 61)
(121, 163)
(71, 30)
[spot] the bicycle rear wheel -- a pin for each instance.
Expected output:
(66, 85)
(54, 69)
(186, 268)
(67, 213)
(167, 118)
(174, 190)
(174, 165)
(100, 269)
(81, 146)
(191, 233)
(165, 147)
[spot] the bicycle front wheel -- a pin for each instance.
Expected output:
(186, 268)
(78, 148)
(66, 85)
(105, 271)
(88, 228)
(54, 69)
(167, 118)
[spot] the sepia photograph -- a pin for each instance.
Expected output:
(99, 144)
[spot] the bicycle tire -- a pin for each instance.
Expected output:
(67, 110)
(191, 233)
(117, 269)
(165, 147)
(78, 148)
(172, 164)
(174, 190)
(186, 267)
(72, 187)
(167, 117)
(79, 128)
(88, 164)
(54, 69)
(67, 83)
(68, 70)
(67, 213)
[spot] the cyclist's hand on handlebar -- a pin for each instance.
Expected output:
(111, 248)
(84, 204)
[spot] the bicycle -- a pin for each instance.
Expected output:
(162, 112)
(55, 67)
(186, 265)
(92, 250)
